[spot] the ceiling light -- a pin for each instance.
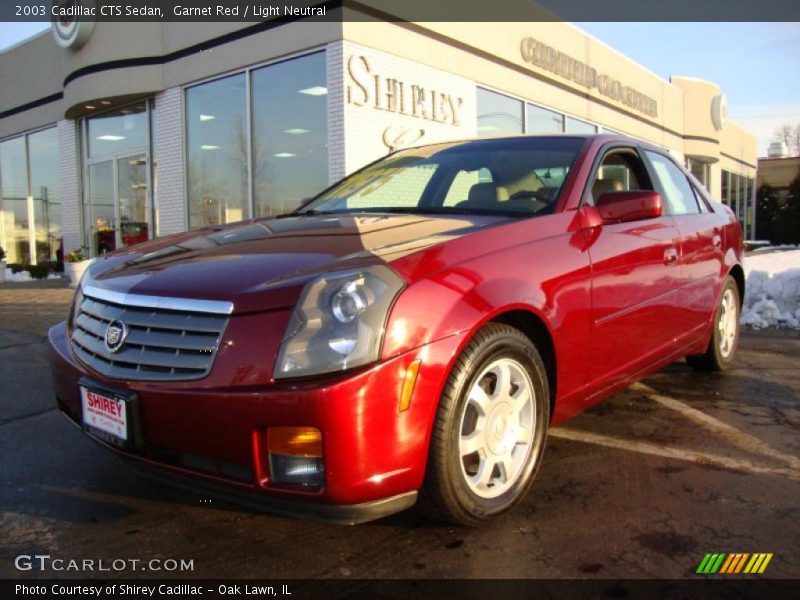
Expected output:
(207, 117)
(111, 138)
(284, 155)
(209, 147)
(295, 131)
(105, 102)
(317, 90)
(89, 107)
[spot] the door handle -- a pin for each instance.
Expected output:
(670, 256)
(717, 241)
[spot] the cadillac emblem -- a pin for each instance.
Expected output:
(116, 332)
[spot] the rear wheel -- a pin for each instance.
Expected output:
(490, 429)
(725, 332)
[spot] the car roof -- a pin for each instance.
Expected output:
(600, 137)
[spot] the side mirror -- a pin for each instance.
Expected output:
(631, 205)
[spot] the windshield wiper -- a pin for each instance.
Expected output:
(451, 210)
(412, 210)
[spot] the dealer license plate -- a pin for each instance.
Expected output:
(104, 412)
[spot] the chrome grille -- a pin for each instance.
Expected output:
(161, 345)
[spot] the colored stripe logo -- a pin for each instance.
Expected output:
(733, 563)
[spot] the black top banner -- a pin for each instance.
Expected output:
(399, 10)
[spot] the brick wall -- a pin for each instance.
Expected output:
(169, 194)
(368, 125)
(336, 146)
(70, 184)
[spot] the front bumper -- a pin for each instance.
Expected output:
(205, 438)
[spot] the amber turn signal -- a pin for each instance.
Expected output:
(294, 441)
(409, 381)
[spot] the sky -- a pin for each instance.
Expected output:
(755, 64)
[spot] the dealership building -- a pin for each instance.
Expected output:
(113, 133)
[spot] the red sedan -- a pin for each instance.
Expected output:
(408, 335)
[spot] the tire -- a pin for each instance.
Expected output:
(724, 332)
(507, 427)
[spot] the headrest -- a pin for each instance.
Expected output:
(487, 193)
(601, 186)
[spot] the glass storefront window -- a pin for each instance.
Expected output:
(750, 210)
(498, 114)
(43, 157)
(725, 188)
(101, 200)
(14, 228)
(30, 209)
(541, 120)
(733, 192)
(118, 131)
(290, 133)
(216, 151)
(577, 126)
(740, 209)
(118, 202)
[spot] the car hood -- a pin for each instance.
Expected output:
(262, 264)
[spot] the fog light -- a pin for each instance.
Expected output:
(296, 470)
(295, 456)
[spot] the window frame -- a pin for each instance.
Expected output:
(605, 151)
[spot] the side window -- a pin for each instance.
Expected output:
(679, 198)
(462, 184)
(702, 194)
(621, 170)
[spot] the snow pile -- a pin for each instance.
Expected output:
(17, 277)
(22, 276)
(773, 248)
(772, 293)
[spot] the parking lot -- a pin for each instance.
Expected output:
(643, 485)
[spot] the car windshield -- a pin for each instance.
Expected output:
(515, 176)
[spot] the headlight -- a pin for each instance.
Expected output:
(338, 322)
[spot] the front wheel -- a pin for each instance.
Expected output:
(725, 333)
(490, 430)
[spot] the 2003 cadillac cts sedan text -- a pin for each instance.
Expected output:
(409, 334)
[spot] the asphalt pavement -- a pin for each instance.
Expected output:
(642, 485)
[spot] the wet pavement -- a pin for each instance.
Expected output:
(642, 485)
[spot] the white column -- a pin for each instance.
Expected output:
(69, 178)
(168, 147)
(336, 125)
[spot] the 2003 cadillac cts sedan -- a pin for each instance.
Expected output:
(408, 335)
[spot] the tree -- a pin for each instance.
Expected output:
(767, 207)
(789, 232)
(778, 220)
(789, 135)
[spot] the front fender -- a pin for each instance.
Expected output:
(550, 278)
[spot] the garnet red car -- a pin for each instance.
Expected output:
(409, 334)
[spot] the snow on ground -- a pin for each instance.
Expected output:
(772, 292)
(12, 277)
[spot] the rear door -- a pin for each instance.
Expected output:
(700, 243)
(635, 277)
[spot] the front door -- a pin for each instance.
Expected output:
(635, 278)
(118, 206)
